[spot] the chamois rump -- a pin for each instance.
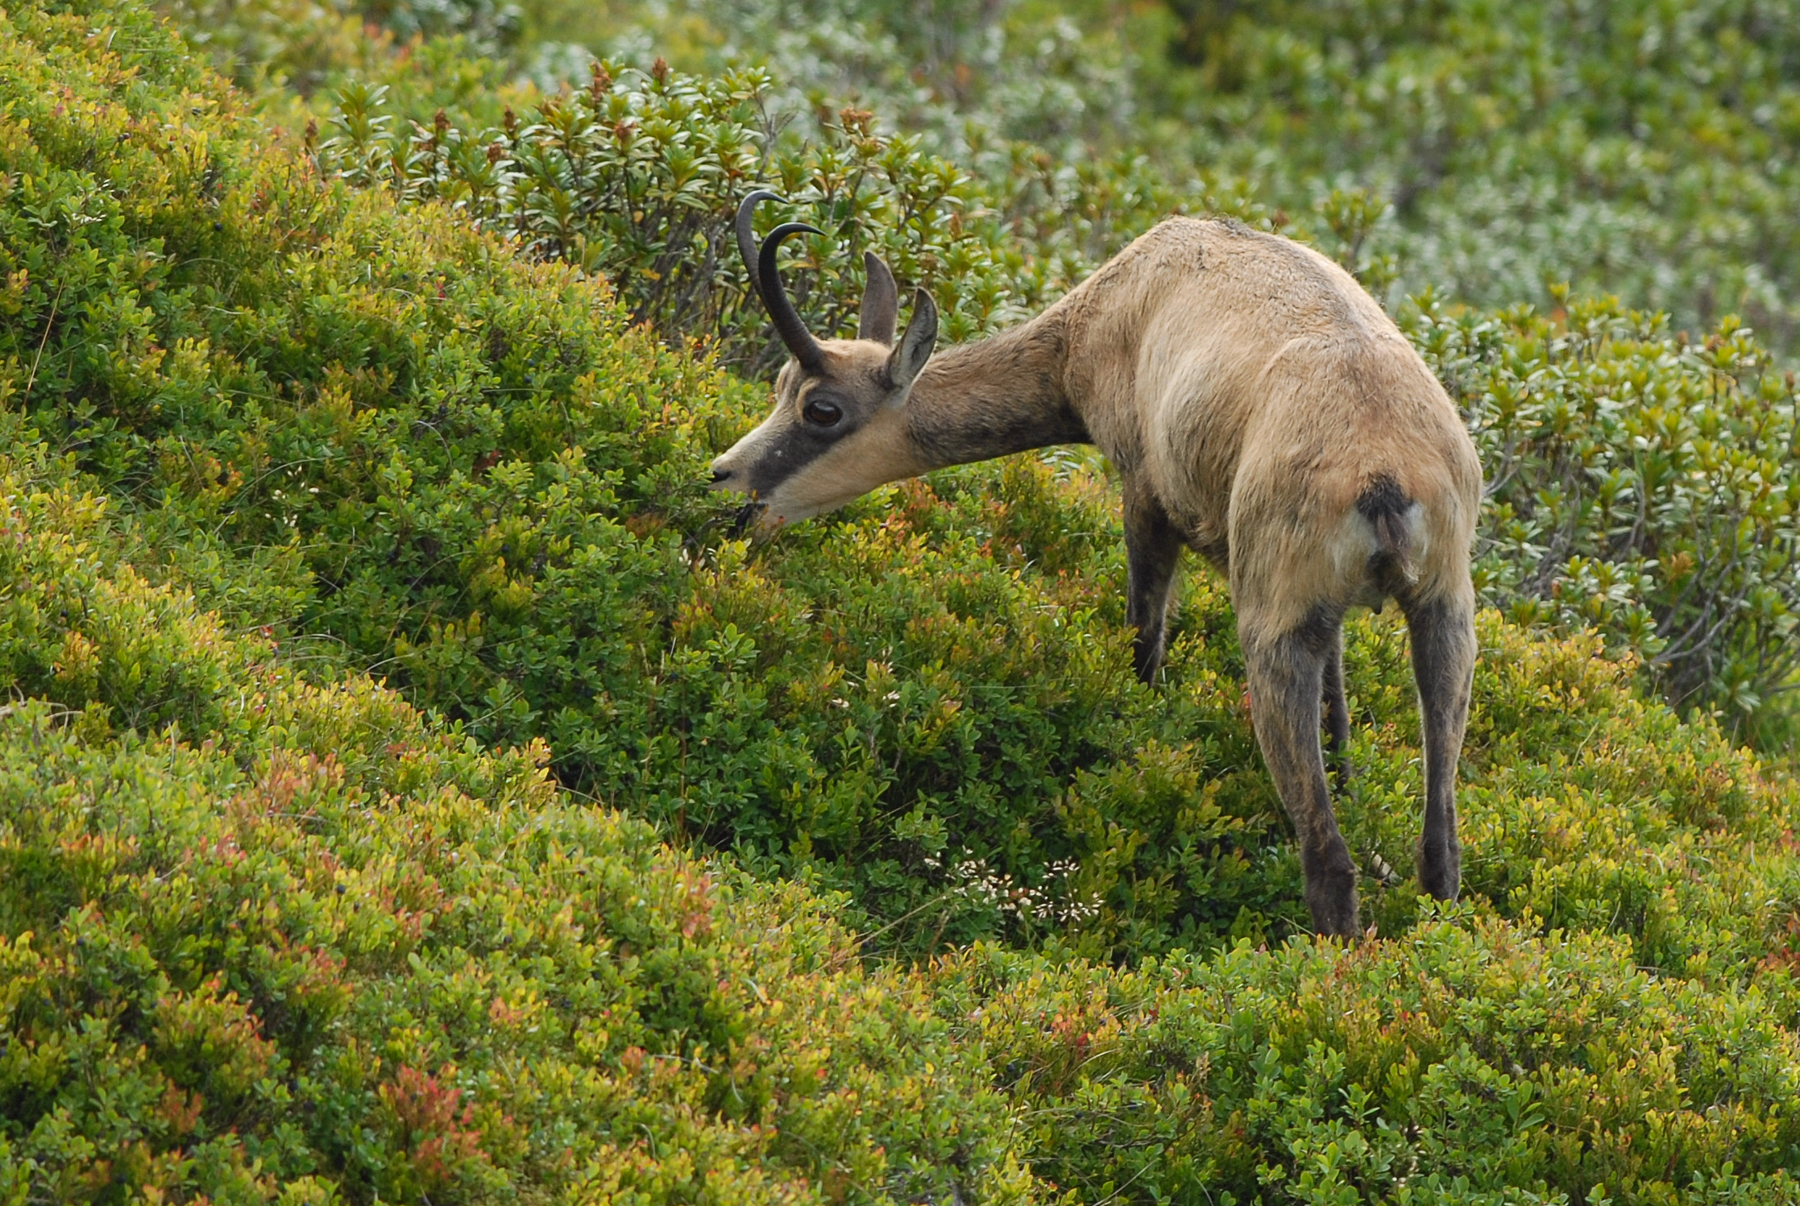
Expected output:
(1261, 409)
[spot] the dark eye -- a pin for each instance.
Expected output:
(825, 414)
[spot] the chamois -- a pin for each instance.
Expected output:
(1260, 408)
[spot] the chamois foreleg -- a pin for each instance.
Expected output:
(1443, 655)
(1287, 679)
(1152, 547)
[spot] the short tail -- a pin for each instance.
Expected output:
(1386, 507)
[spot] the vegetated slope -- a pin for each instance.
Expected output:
(1646, 149)
(1630, 147)
(1642, 484)
(267, 940)
(271, 934)
(293, 942)
(422, 457)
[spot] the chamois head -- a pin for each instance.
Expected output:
(838, 428)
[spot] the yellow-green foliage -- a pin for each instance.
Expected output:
(298, 942)
(1644, 485)
(1472, 1061)
(270, 930)
(377, 429)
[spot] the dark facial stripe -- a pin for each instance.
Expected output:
(797, 448)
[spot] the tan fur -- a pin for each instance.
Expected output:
(1250, 393)
(1248, 382)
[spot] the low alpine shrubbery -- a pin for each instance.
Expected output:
(268, 940)
(296, 942)
(379, 430)
(1471, 1061)
(637, 176)
(273, 931)
(1642, 486)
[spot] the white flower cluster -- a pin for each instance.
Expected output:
(1054, 900)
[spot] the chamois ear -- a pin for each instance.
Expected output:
(916, 345)
(880, 304)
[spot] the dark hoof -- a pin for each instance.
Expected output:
(1440, 872)
(1332, 900)
(1146, 660)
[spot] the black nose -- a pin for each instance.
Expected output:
(721, 475)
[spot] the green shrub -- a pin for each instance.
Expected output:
(1639, 484)
(264, 940)
(274, 47)
(1635, 147)
(269, 932)
(637, 175)
(421, 456)
(1471, 1061)
(1625, 146)
(279, 44)
(303, 944)
(969, 79)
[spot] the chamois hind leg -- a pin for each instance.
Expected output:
(1152, 546)
(1337, 711)
(1287, 678)
(1443, 654)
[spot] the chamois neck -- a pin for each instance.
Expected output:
(996, 396)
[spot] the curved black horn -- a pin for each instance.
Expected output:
(787, 320)
(746, 235)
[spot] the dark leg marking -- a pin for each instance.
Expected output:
(1152, 546)
(1287, 680)
(1443, 653)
